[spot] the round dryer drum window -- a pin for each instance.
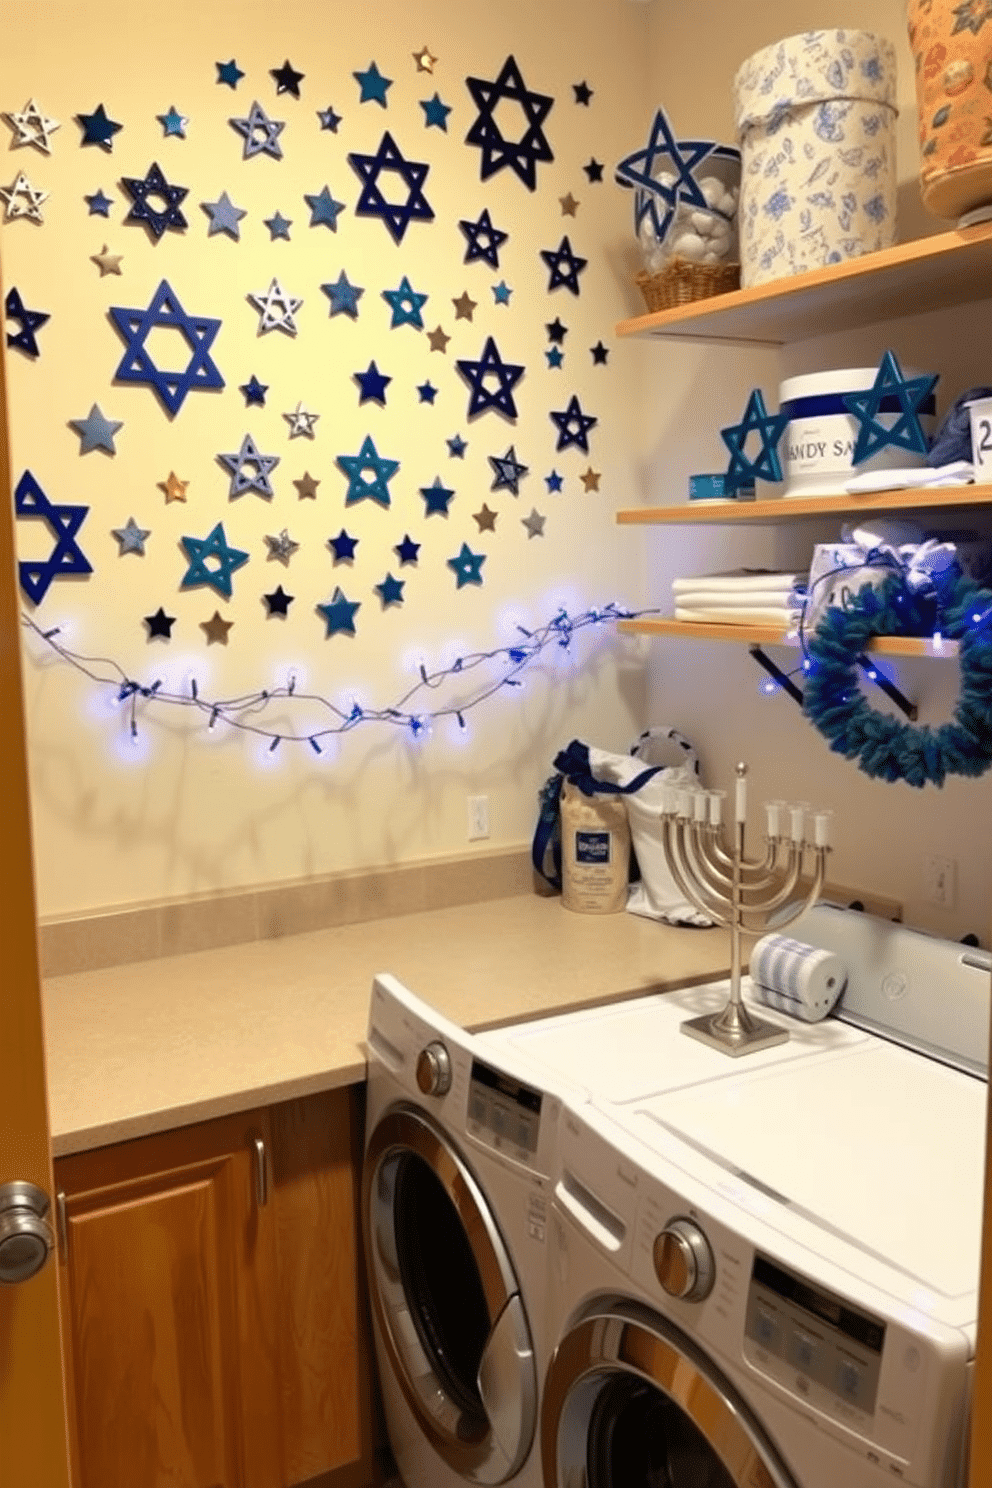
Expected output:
(445, 1298)
(630, 1402)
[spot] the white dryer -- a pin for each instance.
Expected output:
(459, 1157)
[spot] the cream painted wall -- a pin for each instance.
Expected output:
(183, 810)
(884, 831)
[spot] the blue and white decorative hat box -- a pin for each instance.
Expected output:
(816, 119)
(818, 443)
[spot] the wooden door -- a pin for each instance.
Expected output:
(32, 1409)
(168, 1311)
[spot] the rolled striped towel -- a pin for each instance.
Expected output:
(796, 978)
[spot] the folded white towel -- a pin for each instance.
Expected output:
(721, 599)
(786, 617)
(742, 579)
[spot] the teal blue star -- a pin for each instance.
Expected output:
(173, 123)
(373, 85)
(502, 292)
(324, 210)
(339, 613)
(358, 468)
(343, 295)
(390, 591)
(743, 471)
(229, 73)
(200, 550)
(437, 498)
(891, 392)
(278, 226)
(467, 566)
(406, 305)
(435, 113)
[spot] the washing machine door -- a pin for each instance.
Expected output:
(631, 1402)
(446, 1299)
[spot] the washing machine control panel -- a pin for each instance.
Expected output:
(503, 1112)
(814, 1341)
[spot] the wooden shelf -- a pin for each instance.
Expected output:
(771, 635)
(952, 268)
(958, 500)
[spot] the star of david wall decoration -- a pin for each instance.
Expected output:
(530, 148)
(373, 202)
(64, 522)
(166, 312)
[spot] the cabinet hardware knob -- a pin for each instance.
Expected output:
(261, 1172)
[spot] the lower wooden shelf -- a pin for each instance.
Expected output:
(773, 635)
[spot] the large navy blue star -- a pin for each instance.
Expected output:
(573, 426)
(31, 321)
(165, 312)
(437, 498)
(565, 267)
(476, 374)
(213, 546)
(343, 546)
(154, 187)
(521, 155)
(372, 203)
(373, 384)
(483, 240)
(358, 468)
(98, 129)
(407, 550)
(64, 523)
(339, 613)
(891, 392)
(743, 471)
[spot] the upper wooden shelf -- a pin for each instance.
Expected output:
(774, 635)
(952, 500)
(953, 268)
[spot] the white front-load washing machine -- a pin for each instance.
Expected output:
(459, 1157)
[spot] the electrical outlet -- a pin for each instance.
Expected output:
(478, 818)
(940, 875)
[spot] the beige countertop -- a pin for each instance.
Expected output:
(162, 1043)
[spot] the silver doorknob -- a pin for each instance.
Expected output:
(26, 1237)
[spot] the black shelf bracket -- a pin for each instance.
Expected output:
(889, 688)
(782, 678)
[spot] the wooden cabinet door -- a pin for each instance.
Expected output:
(167, 1315)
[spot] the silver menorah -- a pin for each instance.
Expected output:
(739, 892)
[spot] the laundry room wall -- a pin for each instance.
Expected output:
(884, 832)
(136, 797)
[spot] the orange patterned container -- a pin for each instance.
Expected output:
(951, 42)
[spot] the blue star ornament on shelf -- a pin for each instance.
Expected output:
(339, 614)
(212, 562)
(523, 154)
(324, 210)
(29, 321)
(249, 470)
(891, 392)
(437, 498)
(369, 474)
(145, 192)
(478, 374)
(98, 129)
(564, 266)
(166, 313)
(507, 472)
(573, 426)
(64, 522)
(406, 305)
(483, 240)
(259, 132)
(343, 295)
(743, 470)
(224, 217)
(397, 216)
(467, 566)
(675, 160)
(372, 85)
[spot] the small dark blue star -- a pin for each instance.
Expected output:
(278, 226)
(476, 374)
(373, 85)
(483, 241)
(98, 204)
(507, 471)
(339, 613)
(153, 187)
(287, 79)
(254, 392)
(64, 523)
(98, 129)
(553, 482)
(324, 210)
(437, 498)
(160, 624)
(30, 320)
(406, 305)
(427, 392)
(891, 392)
(329, 119)
(457, 447)
(556, 331)
(229, 73)
(502, 292)
(343, 295)
(278, 602)
(555, 356)
(467, 566)
(594, 170)
(390, 591)
(200, 551)
(599, 354)
(743, 471)
(573, 426)
(343, 546)
(373, 384)
(582, 92)
(407, 550)
(397, 216)
(565, 267)
(435, 113)
(521, 155)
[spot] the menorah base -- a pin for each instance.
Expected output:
(735, 1031)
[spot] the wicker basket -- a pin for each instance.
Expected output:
(681, 281)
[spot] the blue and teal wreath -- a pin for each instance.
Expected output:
(884, 747)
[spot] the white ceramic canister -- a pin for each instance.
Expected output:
(819, 438)
(815, 118)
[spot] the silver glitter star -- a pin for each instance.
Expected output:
(131, 538)
(32, 127)
(276, 308)
(22, 199)
(534, 523)
(301, 422)
(282, 547)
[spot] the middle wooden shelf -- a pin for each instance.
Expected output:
(773, 635)
(947, 500)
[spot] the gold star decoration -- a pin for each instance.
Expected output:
(437, 338)
(464, 306)
(306, 486)
(590, 479)
(424, 60)
(216, 628)
(174, 488)
(107, 262)
(569, 205)
(486, 519)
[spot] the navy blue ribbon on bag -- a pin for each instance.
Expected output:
(573, 765)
